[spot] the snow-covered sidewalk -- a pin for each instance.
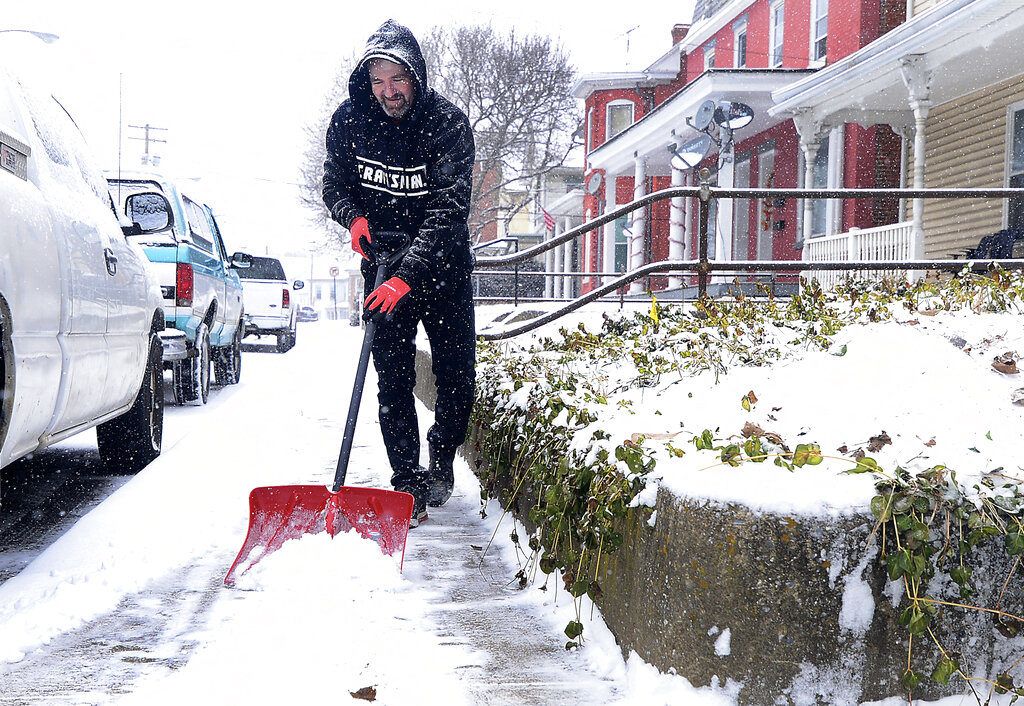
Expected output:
(128, 605)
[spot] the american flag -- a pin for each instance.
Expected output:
(549, 220)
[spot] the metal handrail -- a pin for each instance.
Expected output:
(706, 192)
(703, 267)
(693, 266)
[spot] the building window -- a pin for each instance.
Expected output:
(739, 33)
(776, 26)
(819, 30)
(709, 55)
(621, 245)
(620, 116)
(1015, 214)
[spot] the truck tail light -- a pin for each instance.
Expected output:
(183, 284)
(286, 298)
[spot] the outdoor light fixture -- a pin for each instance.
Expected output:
(732, 115)
(690, 154)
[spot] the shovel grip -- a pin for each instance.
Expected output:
(399, 243)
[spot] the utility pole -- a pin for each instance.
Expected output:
(147, 158)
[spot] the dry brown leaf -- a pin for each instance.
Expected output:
(367, 693)
(843, 449)
(750, 429)
(859, 454)
(914, 322)
(635, 438)
(1005, 363)
(928, 312)
(930, 442)
(875, 443)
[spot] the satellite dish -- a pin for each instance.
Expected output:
(732, 115)
(594, 183)
(702, 118)
(690, 154)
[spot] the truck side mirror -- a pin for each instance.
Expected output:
(150, 211)
(298, 284)
(241, 260)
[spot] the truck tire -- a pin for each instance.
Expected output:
(192, 375)
(285, 341)
(228, 360)
(128, 443)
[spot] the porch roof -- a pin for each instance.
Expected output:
(568, 204)
(609, 80)
(651, 136)
(966, 44)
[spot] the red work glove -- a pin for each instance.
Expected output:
(386, 297)
(359, 229)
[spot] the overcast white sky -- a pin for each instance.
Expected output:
(234, 86)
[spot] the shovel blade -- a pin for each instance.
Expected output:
(282, 512)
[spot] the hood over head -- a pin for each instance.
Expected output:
(396, 43)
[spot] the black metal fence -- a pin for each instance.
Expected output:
(704, 268)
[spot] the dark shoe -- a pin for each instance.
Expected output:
(419, 505)
(440, 477)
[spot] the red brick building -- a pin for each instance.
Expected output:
(735, 50)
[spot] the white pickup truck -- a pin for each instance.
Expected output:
(80, 310)
(269, 310)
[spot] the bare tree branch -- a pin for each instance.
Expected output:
(514, 88)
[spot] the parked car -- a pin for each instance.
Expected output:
(202, 293)
(268, 302)
(80, 310)
(307, 313)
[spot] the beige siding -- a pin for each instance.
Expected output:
(966, 147)
(922, 5)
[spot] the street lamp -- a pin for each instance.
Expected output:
(44, 36)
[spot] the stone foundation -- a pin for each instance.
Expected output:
(807, 604)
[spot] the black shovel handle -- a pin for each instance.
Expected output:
(388, 251)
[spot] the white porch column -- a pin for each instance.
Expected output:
(636, 240)
(810, 130)
(549, 266)
(608, 261)
(556, 266)
(917, 79)
(726, 180)
(677, 226)
(567, 282)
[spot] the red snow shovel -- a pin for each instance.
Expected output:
(278, 513)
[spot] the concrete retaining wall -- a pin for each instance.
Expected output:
(811, 615)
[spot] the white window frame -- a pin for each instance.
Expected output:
(1008, 156)
(709, 53)
(608, 116)
(776, 34)
(739, 29)
(820, 61)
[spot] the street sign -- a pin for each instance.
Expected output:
(334, 272)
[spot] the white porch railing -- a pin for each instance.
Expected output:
(892, 242)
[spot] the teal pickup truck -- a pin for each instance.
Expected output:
(202, 293)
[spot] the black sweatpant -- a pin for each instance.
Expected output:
(446, 310)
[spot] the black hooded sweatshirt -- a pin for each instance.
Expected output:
(414, 174)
